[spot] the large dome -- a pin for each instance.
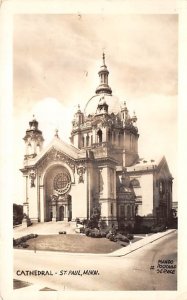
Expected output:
(114, 104)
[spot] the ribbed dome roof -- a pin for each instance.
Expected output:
(113, 102)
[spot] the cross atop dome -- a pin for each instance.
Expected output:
(33, 123)
(56, 133)
(103, 58)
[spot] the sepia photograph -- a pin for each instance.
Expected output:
(92, 157)
(95, 204)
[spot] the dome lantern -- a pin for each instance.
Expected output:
(103, 74)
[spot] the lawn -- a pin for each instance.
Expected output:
(72, 243)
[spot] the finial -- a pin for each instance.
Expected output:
(134, 118)
(103, 58)
(78, 108)
(56, 133)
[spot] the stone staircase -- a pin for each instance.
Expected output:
(45, 228)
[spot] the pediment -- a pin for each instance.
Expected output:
(55, 155)
(163, 167)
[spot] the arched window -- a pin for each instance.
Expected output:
(132, 211)
(91, 139)
(37, 148)
(99, 136)
(29, 148)
(82, 141)
(135, 183)
(114, 136)
(122, 211)
(87, 140)
(109, 136)
(128, 212)
(130, 141)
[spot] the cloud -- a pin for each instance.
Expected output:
(58, 57)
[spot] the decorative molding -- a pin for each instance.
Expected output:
(32, 176)
(135, 183)
(55, 155)
(81, 171)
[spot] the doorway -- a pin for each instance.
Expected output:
(61, 213)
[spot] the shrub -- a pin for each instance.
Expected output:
(103, 233)
(23, 239)
(124, 239)
(95, 233)
(123, 244)
(142, 229)
(119, 236)
(130, 236)
(158, 228)
(113, 238)
(109, 234)
(82, 230)
(24, 245)
(87, 231)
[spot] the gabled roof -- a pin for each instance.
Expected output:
(56, 143)
(151, 164)
(164, 165)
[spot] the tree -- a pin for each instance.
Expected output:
(17, 214)
(94, 219)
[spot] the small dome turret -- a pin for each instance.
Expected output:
(103, 74)
(33, 139)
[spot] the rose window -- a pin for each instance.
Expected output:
(62, 182)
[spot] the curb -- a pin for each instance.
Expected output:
(139, 244)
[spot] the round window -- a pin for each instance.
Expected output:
(62, 182)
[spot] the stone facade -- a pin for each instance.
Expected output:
(100, 168)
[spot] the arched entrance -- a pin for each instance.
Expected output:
(57, 201)
(61, 213)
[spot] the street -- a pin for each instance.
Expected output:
(134, 271)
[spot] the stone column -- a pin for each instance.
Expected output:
(25, 196)
(65, 212)
(104, 134)
(54, 212)
(42, 209)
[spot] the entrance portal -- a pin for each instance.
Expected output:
(61, 213)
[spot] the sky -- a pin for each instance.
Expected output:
(56, 59)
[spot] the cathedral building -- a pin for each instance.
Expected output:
(100, 168)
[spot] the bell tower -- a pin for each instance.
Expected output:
(33, 140)
(77, 137)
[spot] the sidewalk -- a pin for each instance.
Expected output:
(45, 228)
(139, 244)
